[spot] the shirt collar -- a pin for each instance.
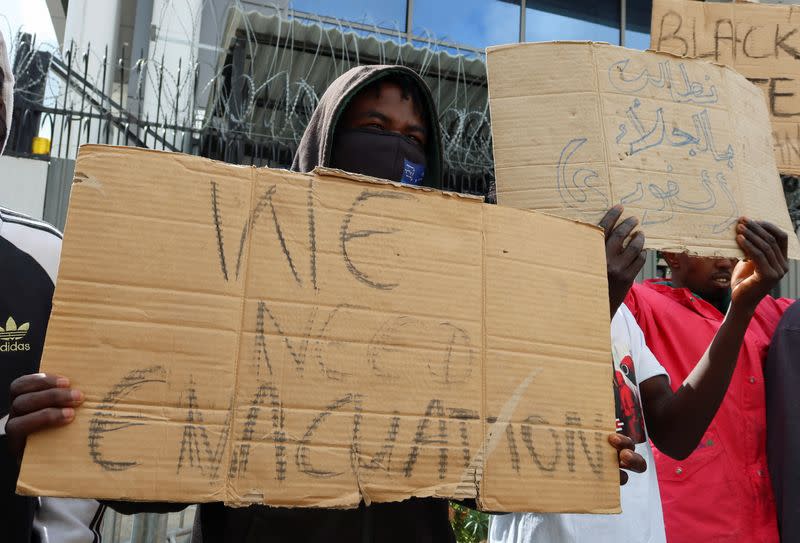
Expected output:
(689, 299)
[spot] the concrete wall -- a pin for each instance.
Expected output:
(56, 197)
(23, 183)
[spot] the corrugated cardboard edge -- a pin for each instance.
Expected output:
(25, 489)
(319, 171)
(594, 44)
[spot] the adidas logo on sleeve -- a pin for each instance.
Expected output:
(11, 334)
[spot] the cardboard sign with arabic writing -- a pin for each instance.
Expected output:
(761, 41)
(683, 144)
(257, 336)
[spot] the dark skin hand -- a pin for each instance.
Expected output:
(623, 262)
(629, 459)
(39, 401)
(677, 421)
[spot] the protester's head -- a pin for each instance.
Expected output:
(383, 132)
(709, 278)
(377, 121)
(6, 94)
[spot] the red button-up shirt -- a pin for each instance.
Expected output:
(722, 491)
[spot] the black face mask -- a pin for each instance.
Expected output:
(377, 153)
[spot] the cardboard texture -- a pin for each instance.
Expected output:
(761, 41)
(683, 144)
(261, 336)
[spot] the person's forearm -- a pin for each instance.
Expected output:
(688, 413)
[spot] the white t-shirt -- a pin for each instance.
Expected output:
(641, 520)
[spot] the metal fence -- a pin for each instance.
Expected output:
(80, 111)
(84, 96)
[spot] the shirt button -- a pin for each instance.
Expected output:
(752, 380)
(760, 473)
(679, 471)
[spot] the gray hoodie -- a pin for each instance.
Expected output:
(316, 144)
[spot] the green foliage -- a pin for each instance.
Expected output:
(470, 526)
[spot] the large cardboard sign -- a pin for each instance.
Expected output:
(257, 336)
(683, 144)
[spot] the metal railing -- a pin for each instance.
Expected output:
(83, 113)
(84, 96)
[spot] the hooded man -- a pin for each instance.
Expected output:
(378, 121)
(29, 253)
